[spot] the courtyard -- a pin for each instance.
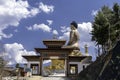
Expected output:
(37, 78)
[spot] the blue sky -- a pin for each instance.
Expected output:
(25, 23)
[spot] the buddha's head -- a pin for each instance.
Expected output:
(73, 25)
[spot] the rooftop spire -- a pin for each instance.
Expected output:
(86, 49)
(54, 36)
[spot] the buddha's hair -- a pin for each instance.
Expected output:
(74, 24)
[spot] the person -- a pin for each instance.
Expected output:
(74, 36)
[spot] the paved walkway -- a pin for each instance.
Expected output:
(54, 78)
(57, 74)
(36, 78)
(23, 78)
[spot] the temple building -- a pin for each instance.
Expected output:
(65, 60)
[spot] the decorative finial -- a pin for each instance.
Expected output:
(54, 36)
(86, 49)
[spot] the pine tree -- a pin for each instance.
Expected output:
(106, 27)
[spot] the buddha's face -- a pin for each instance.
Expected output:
(72, 27)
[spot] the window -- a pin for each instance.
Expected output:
(73, 69)
(35, 68)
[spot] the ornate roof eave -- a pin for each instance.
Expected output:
(32, 57)
(54, 42)
(40, 50)
(77, 58)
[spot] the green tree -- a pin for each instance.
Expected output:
(17, 65)
(116, 20)
(17, 70)
(2, 64)
(100, 30)
(106, 26)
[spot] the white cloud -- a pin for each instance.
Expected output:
(85, 26)
(84, 30)
(46, 8)
(12, 11)
(34, 11)
(29, 28)
(15, 52)
(55, 32)
(49, 22)
(94, 12)
(64, 29)
(5, 35)
(42, 27)
(65, 36)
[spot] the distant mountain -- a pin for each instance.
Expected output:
(14, 65)
(45, 63)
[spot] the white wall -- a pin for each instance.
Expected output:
(80, 65)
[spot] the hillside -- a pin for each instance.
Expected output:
(106, 67)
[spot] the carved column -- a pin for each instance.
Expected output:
(67, 66)
(41, 61)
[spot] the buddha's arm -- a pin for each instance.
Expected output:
(71, 38)
(77, 35)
